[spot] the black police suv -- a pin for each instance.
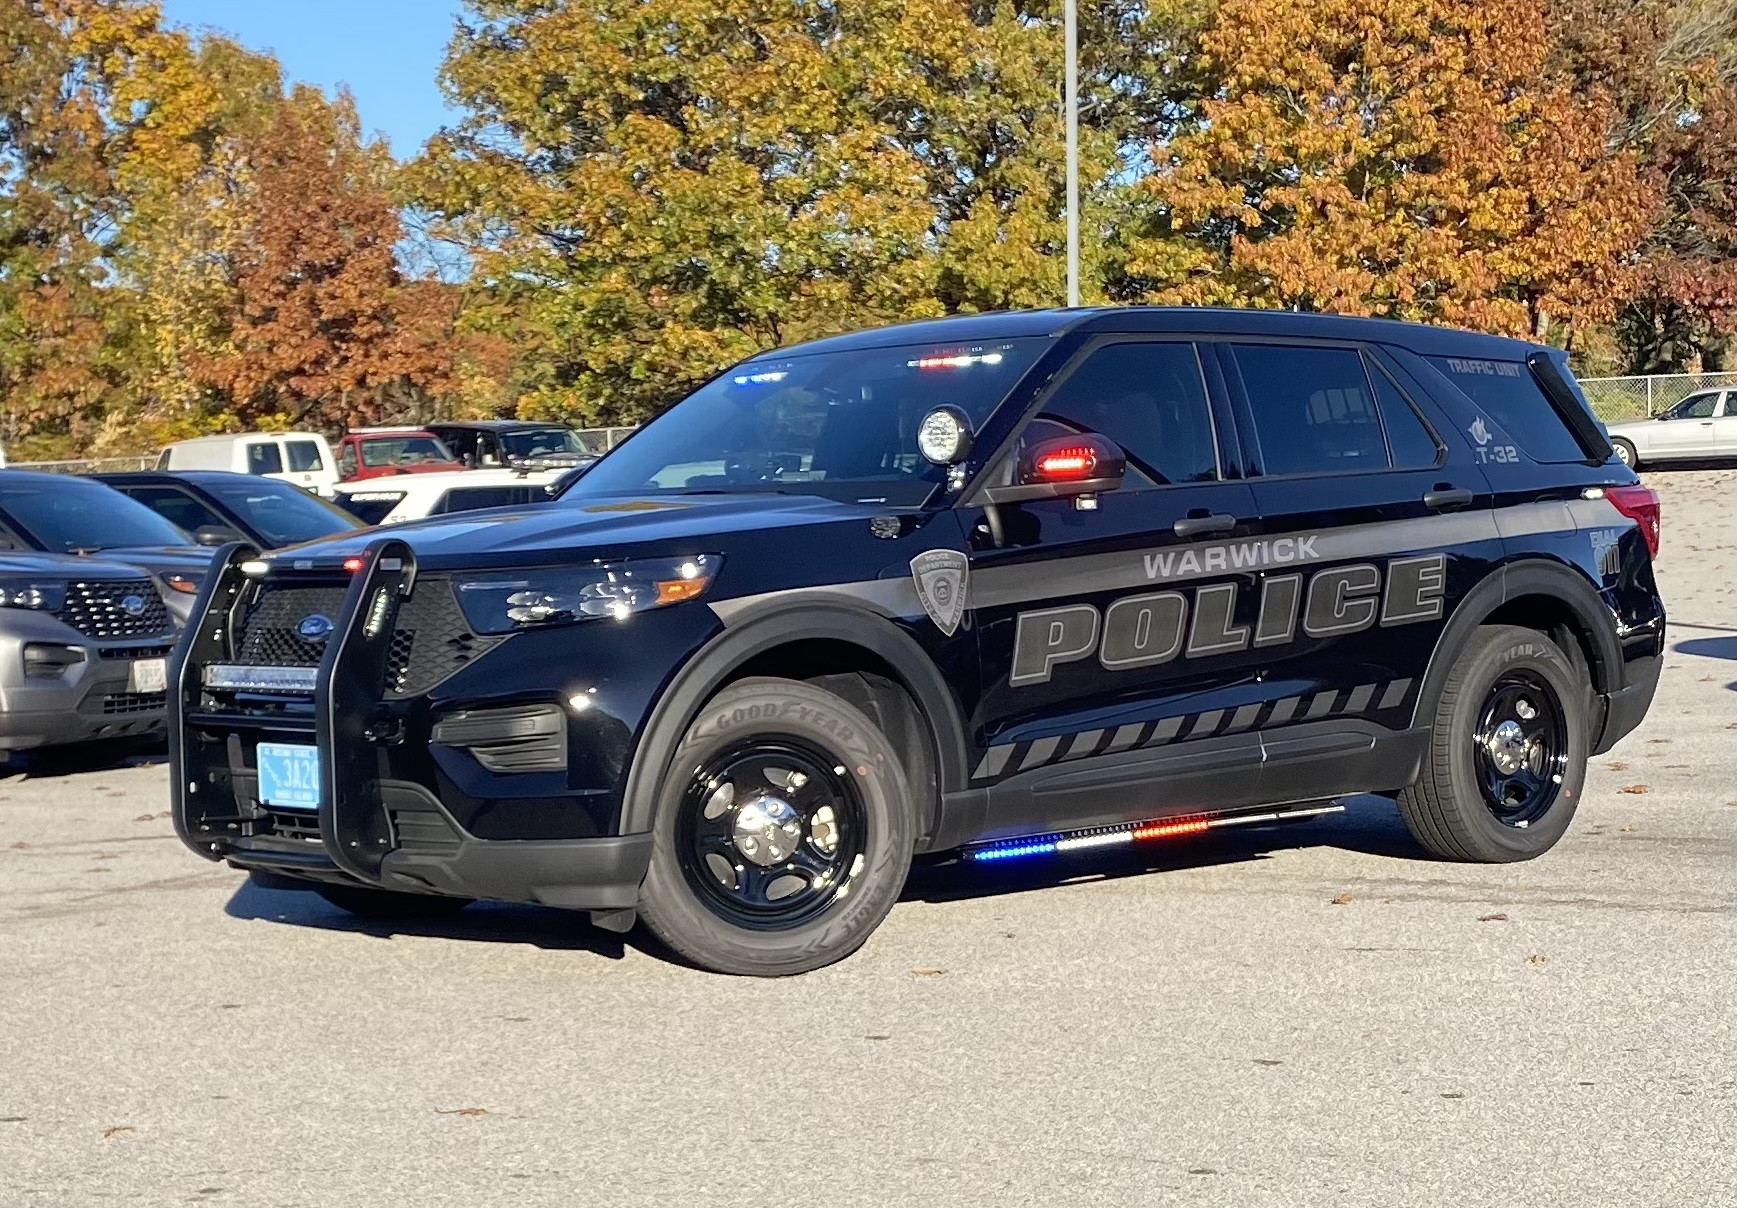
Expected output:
(1014, 586)
(220, 506)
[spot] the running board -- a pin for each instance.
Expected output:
(1132, 832)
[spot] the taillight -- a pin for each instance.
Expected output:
(1641, 505)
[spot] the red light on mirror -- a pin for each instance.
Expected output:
(1068, 463)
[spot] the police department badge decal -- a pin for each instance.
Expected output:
(940, 576)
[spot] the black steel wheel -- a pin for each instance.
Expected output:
(1509, 740)
(770, 832)
(783, 833)
(1520, 748)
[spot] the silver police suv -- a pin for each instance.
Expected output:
(83, 646)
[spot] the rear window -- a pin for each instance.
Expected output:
(1507, 392)
(470, 499)
(370, 507)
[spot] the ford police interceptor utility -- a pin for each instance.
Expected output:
(1010, 586)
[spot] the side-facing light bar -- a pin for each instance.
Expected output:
(1130, 832)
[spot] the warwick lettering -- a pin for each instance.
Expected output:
(1154, 627)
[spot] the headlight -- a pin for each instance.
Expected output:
(509, 600)
(45, 595)
(185, 584)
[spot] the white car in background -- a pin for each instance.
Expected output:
(1702, 426)
(401, 497)
(303, 458)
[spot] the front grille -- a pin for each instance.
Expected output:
(134, 652)
(430, 637)
(268, 624)
(304, 827)
(431, 641)
(115, 608)
(133, 702)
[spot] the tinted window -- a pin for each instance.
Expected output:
(304, 455)
(1312, 407)
(370, 507)
(1696, 406)
(282, 513)
(541, 442)
(469, 499)
(176, 506)
(1147, 397)
(264, 459)
(72, 514)
(378, 451)
(1508, 394)
(462, 442)
(841, 424)
(1409, 439)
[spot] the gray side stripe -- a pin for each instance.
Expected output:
(1040, 751)
(1244, 718)
(1164, 731)
(1395, 693)
(1282, 710)
(1206, 723)
(1125, 737)
(1083, 744)
(993, 760)
(1321, 705)
(1360, 696)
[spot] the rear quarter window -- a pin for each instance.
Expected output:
(1507, 392)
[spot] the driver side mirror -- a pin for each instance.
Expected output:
(1063, 467)
(215, 534)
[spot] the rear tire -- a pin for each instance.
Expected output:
(783, 832)
(1625, 452)
(1508, 749)
(387, 906)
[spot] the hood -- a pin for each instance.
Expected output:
(1631, 426)
(161, 559)
(373, 474)
(68, 566)
(529, 535)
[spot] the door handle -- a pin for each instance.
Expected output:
(1208, 524)
(1447, 497)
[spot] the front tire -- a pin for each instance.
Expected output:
(1508, 749)
(1625, 452)
(783, 832)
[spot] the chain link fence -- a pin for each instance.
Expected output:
(1615, 399)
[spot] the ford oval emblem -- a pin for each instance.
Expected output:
(314, 628)
(133, 606)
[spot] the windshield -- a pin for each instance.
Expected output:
(839, 424)
(281, 513)
(71, 515)
(541, 442)
(378, 451)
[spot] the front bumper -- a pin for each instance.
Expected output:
(93, 698)
(417, 794)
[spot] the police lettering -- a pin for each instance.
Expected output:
(1155, 627)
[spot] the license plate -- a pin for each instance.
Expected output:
(289, 775)
(147, 675)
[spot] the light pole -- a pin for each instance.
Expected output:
(1070, 26)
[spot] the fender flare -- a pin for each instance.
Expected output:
(1527, 577)
(702, 675)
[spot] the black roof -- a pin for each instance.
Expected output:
(143, 477)
(1002, 325)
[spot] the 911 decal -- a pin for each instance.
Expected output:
(1150, 628)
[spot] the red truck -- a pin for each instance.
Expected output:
(377, 452)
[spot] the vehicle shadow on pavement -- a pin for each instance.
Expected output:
(1708, 648)
(484, 922)
(1370, 825)
(99, 756)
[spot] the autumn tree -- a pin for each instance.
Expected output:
(328, 331)
(651, 189)
(1412, 158)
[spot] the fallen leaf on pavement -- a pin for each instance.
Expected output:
(21, 845)
(1343, 899)
(1617, 765)
(1636, 789)
(1537, 958)
(115, 1130)
(1627, 830)
(461, 1111)
(1492, 918)
(928, 972)
(146, 818)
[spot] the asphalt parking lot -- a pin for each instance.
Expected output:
(1306, 1015)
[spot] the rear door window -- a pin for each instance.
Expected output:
(264, 458)
(1314, 411)
(304, 455)
(1507, 392)
(1410, 440)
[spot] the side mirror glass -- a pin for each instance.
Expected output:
(1062, 467)
(215, 534)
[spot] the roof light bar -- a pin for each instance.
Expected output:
(1130, 832)
(955, 360)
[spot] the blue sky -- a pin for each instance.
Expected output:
(387, 51)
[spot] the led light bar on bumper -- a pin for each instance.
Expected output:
(505, 601)
(1062, 842)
